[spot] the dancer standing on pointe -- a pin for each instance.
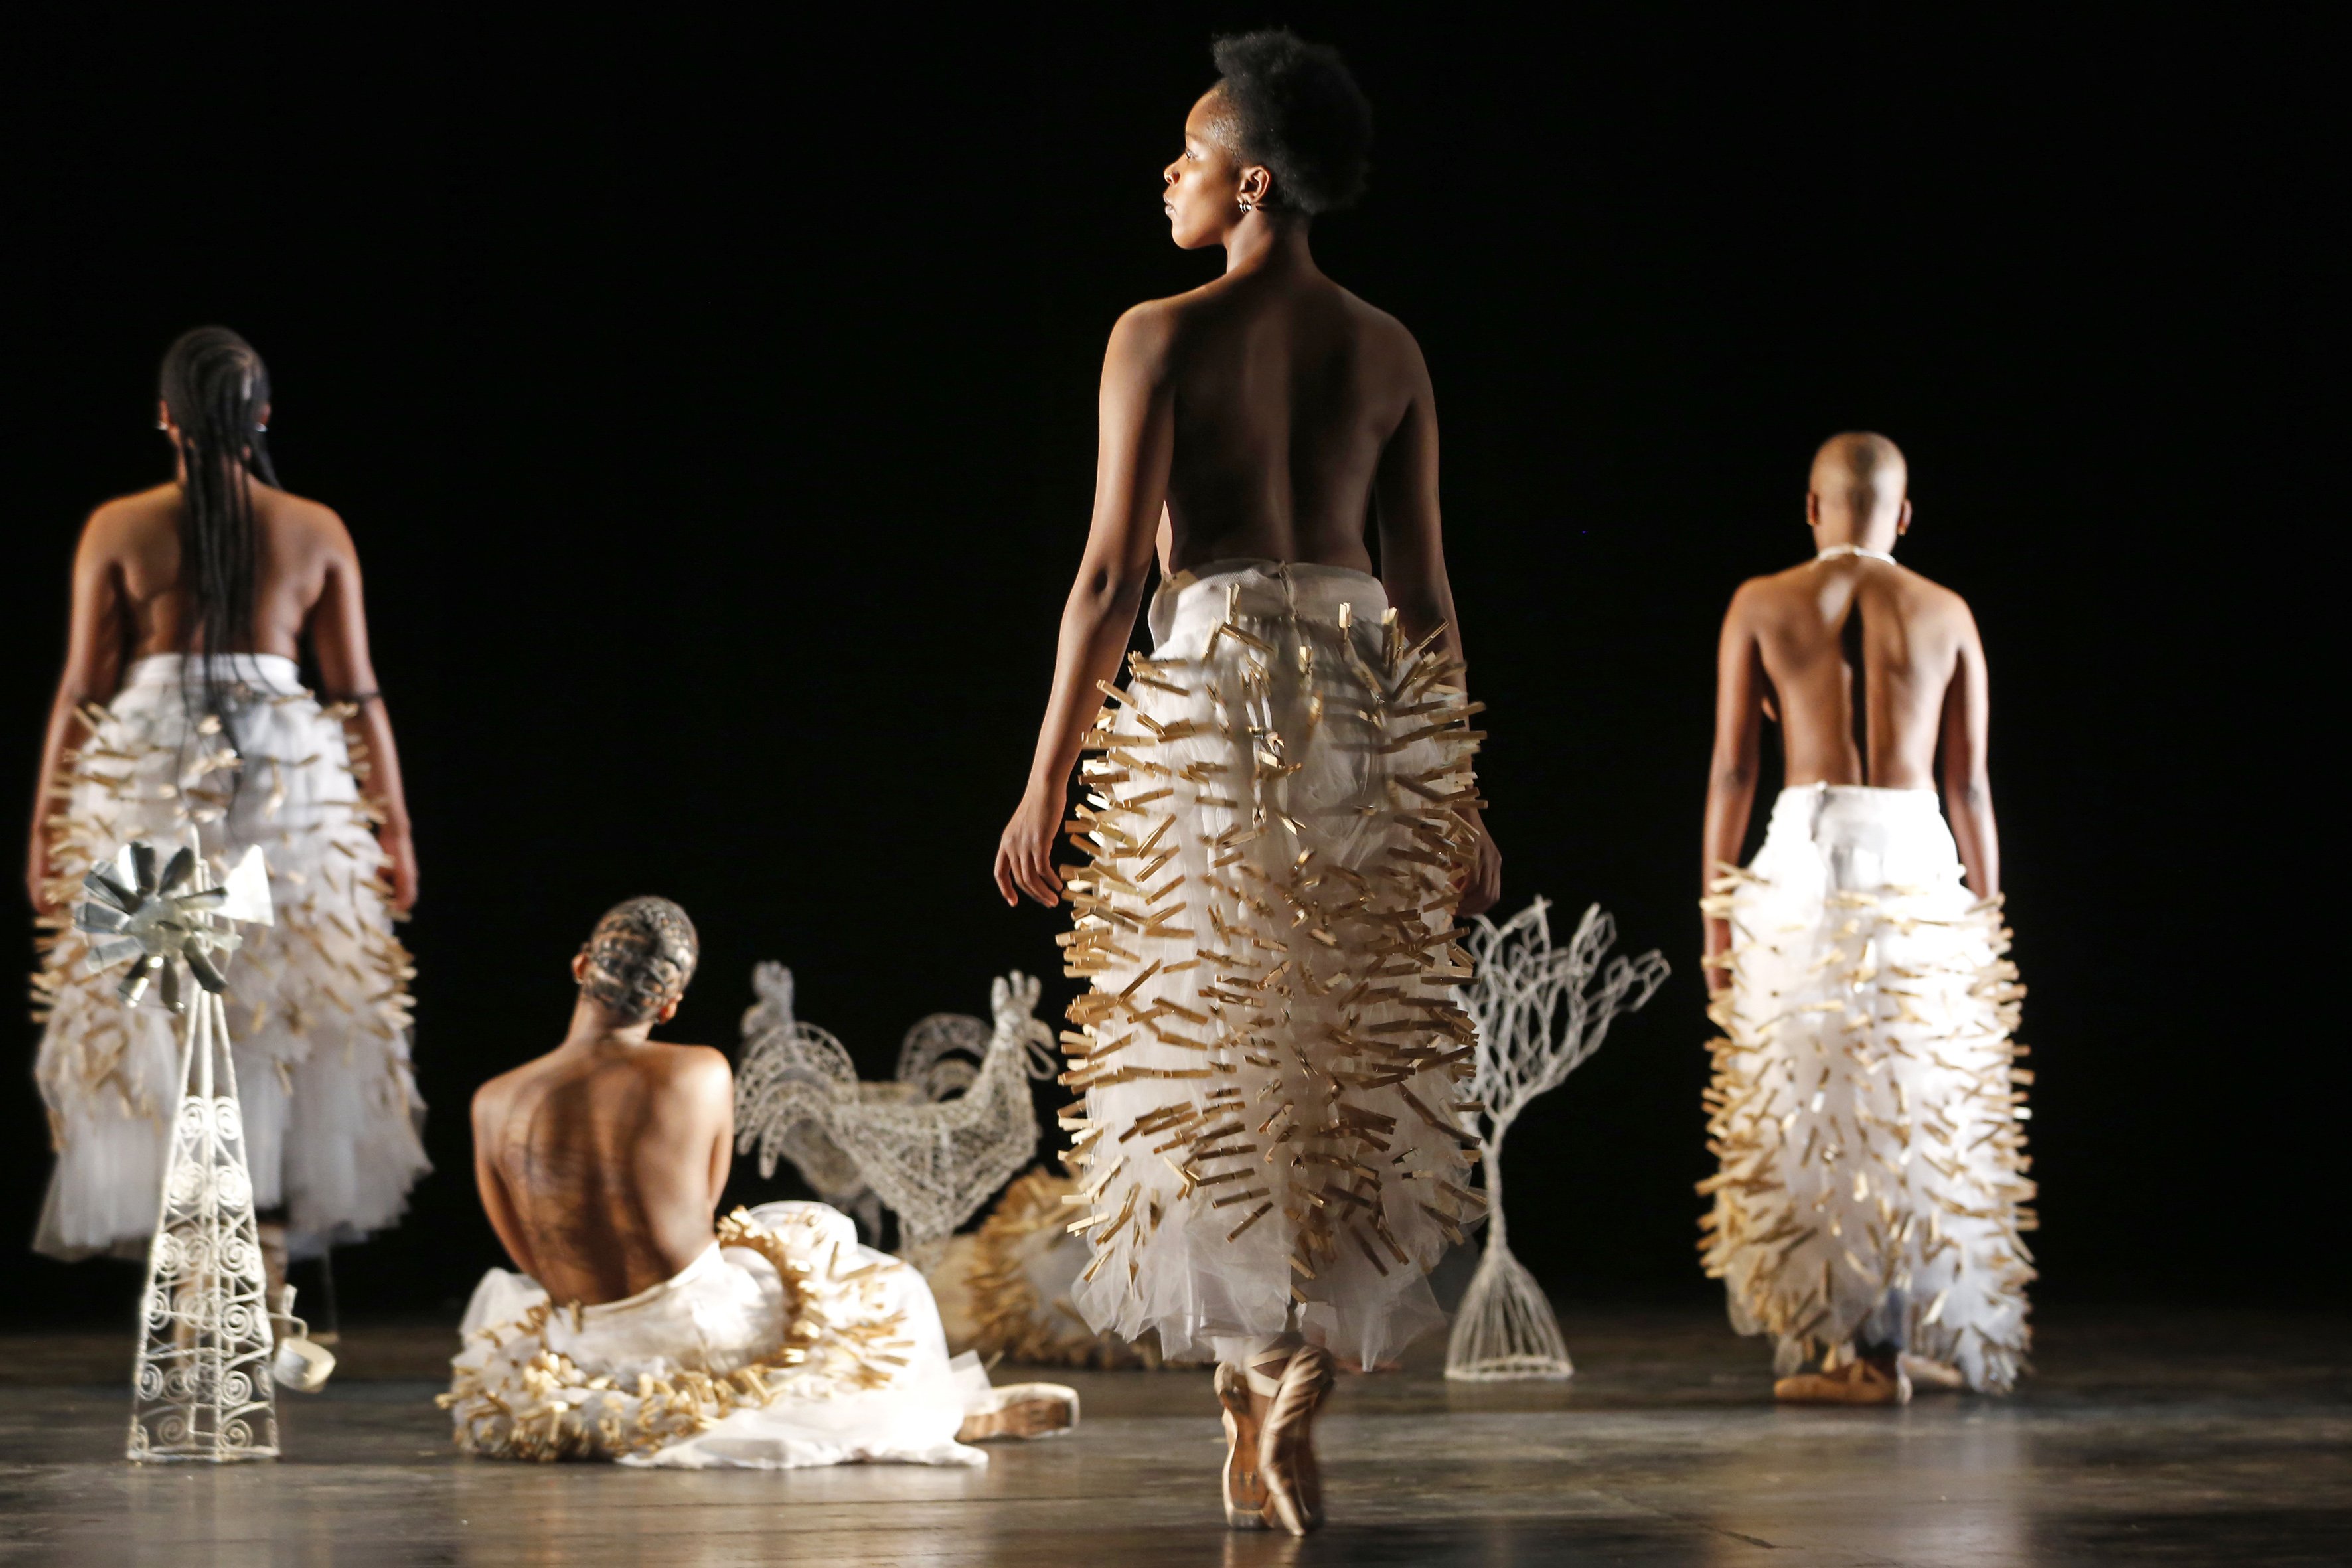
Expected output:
(1281, 816)
(181, 707)
(1872, 1188)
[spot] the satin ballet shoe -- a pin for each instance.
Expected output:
(1286, 1445)
(1863, 1381)
(1927, 1374)
(1245, 1500)
(1022, 1410)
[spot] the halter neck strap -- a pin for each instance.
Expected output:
(1841, 551)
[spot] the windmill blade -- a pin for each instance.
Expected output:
(141, 858)
(107, 955)
(204, 972)
(103, 919)
(113, 891)
(176, 874)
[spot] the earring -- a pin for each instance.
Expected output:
(1249, 203)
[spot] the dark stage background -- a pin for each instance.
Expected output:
(714, 412)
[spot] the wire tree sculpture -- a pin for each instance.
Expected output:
(931, 1145)
(1539, 1014)
(201, 1389)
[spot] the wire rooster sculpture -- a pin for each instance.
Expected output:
(931, 1145)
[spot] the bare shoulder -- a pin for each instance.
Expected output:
(1932, 600)
(1155, 323)
(492, 1100)
(1761, 597)
(315, 523)
(1377, 325)
(127, 520)
(696, 1066)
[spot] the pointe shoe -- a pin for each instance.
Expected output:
(1022, 1410)
(1926, 1373)
(1863, 1381)
(1245, 1503)
(1286, 1445)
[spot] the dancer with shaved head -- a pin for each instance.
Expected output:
(1873, 1186)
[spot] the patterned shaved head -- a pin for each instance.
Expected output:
(640, 958)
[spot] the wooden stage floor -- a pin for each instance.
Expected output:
(2146, 1437)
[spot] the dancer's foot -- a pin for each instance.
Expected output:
(1022, 1410)
(1865, 1380)
(1926, 1373)
(271, 1235)
(1245, 1501)
(1285, 1446)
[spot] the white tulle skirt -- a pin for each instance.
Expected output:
(1271, 1053)
(786, 1345)
(318, 1004)
(1867, 1105)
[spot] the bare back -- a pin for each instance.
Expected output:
(1286, 392)
(601, 1163)
(1860, 655)
(299, 547)
(1878, 677)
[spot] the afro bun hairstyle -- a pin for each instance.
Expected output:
(1292, 106)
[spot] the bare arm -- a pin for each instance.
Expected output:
(92, 674)
(1739, 689)
(1967, 776)
(1138, 414)
(339, 634)
(1412, 571)
(496, 1204)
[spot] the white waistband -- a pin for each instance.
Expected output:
(1265, 588)
(1820, 802)
(271, 673)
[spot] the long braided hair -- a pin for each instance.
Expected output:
(217, 387)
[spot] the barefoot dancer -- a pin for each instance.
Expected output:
(641, 1333)
(206, 586)
(1281, 816)
(1872, 1179)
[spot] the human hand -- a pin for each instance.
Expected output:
(400, 865)
(1024, 854)
(1479, 887)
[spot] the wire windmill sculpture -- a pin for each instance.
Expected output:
(929, 1145)
(1540, 1014)
(202, 1389)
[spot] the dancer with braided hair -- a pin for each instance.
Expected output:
(180, 711)
(1281, 819)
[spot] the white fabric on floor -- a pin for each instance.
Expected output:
(835, 1357)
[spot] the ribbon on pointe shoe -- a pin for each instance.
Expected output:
(1286, 1445)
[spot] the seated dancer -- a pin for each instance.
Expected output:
(1282, 819)
(1864, 1105)
(639, 1333)
(208, 584)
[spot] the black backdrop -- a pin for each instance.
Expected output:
(713, 410)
